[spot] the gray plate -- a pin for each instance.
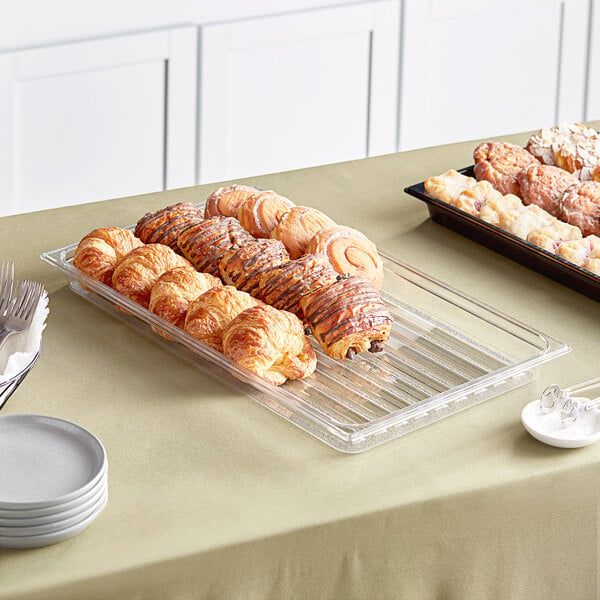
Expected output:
(45, 461)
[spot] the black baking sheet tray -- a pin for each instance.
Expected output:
(508, 244)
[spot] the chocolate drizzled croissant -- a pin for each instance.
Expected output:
(164, 226)
(205, 243)
(347, 316)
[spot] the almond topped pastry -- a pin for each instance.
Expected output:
(499, 163)
(544, 185)
(226, 201)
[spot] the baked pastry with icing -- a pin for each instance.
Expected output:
(593, 262)
(578, 251)
(226, 201)
(544, 185)
(448, 186)
(499, 163)
(551, 237)
(205, 243)
(262, 212)
(211, 312)
(490, 212)
(348, 251)
(474, 198)
(298, 226)
(173, 292)
(99, 252)
(347, 317)
(270, 343)
(242, 267)
(521, 222)
(284, 286)
(137, 272)
(580, 206)
(164, 225)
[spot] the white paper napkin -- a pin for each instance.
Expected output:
(19, 349)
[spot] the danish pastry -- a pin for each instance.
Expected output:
(544, 185)
(163, 226)
(242, 267)
(270, 343)
(347, 317)
(173, 291)
(262, 212)
(474, 198)
(578, 251)
(137, 272)
(348, 251)
(580, 206)
(298, 226)
(521, 222)
(499, 163)
(551, 237)
(283, 286)
(448, 186)
(226, 201)
(99, 252)
(210, 313)
(593, 262)
(205, 243)
(490, 212)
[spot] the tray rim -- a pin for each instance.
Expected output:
(346, 433)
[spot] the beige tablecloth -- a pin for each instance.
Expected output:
(213, 496)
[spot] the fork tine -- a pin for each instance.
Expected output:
(7, 276)
(31, 300)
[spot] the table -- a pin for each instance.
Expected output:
(213, 496)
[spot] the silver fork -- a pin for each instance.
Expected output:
(20, 311)
(7, 277)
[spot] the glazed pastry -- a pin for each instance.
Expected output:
(262, 212)
(99, 252)
(226, 201)
(138, 271)
(210, 313)
(593, 262)
(521, 222)
(544, 185)
(570, 146)
(448, 186)
(578, 251)
(270, 343)
(580, 206)
(499, 163)
(173, 291)
(348, 251)
(347, 317)
(205, 243)
(595, 175)
(242, 267)
(551, 237)
(298, 226)
(164, 226)
(283, 286)
(474, 198)
(490, 212)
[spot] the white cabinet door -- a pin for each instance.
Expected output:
(291, 91)
(473, 69)
(97, 119)
(592, 112)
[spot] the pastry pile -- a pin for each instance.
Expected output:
(547, 193)
(250, 275)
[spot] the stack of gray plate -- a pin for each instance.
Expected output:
(53, 480)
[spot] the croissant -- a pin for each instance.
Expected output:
(349, 251)
(347, 317)
(226, 201)
(100, 250)
(283, 286)
(205, 243)
(270, 343)
(163, 226)
(242, 267)
(173, 292)
(138, 271)
(262, 212)
(298, 226)
(210, 313)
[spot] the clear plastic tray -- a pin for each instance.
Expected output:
(447, 352)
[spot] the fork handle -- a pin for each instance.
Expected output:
(4, 335)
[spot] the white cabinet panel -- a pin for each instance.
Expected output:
(593, 90)
(99, 119)
(473, 69)
(280, 93)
